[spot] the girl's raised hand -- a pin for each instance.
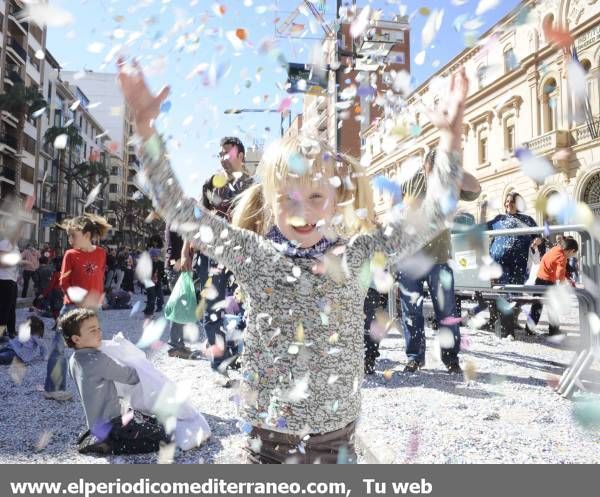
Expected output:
(144, 105)
(450, 121)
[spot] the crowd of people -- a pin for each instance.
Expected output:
(278, 269)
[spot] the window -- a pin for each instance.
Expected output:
(113, 188)
(84, 149)
(27, 173)
(481, 76)
(549, 101)
(114, 171)
(483, 144)
(29, 144)
(548, 22)
(510, 61)
(509, 134)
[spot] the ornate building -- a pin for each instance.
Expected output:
(519, 97)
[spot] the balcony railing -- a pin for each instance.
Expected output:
(11, 141)
(548, 142)
(583, 134)
(18, 48)
(14, 77)
(8, 173)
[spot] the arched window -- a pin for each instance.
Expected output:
(549, 102)
(591, 193)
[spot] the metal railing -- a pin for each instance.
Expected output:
(11, 141)
(8, 173)
(18, 48)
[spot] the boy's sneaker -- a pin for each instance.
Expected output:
(60, 395)
(180, 352)
(454, 368)
(413, 366)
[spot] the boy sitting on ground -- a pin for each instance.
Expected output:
(117, 299)
(109, 430)
(25, 349)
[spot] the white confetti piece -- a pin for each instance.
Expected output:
(91, 198)
(361, 22)
(143, 270)
(431, 28)
(24, 331)
(43, 441)
(40, 55)
(95, 47)
(420, 58)
(60, 142)
(38, 112)
(76, 294)
(10, 259)
(484, 5)
(206, 234)
(48, 15)
(137, 307)
(237, 44)
(191, 332)
(152, 332)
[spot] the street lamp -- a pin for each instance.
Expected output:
(240, 111)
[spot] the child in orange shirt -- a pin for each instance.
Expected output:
(553, 268)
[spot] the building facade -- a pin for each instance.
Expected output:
(20, 41)
(519, 97)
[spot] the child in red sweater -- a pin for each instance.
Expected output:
(553, 268)
(82, 282)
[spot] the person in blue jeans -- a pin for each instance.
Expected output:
(439, 279)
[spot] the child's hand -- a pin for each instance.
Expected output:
(450, 121)
(144, 105)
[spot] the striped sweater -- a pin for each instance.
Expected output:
(303, 345)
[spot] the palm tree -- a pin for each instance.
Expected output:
(65, 171)
(21, 101)
(89, 174)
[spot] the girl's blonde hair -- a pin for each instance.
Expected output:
(97, 226)
(306, 160)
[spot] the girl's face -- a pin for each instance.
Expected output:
(78, 239)
(298, 208)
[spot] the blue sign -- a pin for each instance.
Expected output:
(48, 219)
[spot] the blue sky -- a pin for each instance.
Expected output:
(173, 38)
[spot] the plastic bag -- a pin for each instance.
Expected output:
(181, 306)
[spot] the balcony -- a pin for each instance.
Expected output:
(7, 173)
(14, 77)
(13, 15)
(583, 134)
(17, 48)
(548, 142)
(9, 141)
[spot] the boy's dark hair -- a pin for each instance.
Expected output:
(234, 141)
(36, 326)
(569, 243)
(43, 259)
(70, 323)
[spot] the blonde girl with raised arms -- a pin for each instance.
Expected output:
(299, 241)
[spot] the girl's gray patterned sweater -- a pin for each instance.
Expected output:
(303, 345)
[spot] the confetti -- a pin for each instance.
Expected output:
(537, 168)
(60, 142)
(484, 5)
(431, 28)
(241, 33)
(557, 35)
(153, 330)
(24, 332)
(91, 198)
(360, 23)
(95, 47)
(137, 307)
(165, 107)
(10, 259)
(76, 294)
(38, 112)
(143, 270)
(420, 58)
(44, 14)
(219, 9)
(43, 441)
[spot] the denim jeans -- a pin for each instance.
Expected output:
(7, 355)
(440, 281)
(56, 370)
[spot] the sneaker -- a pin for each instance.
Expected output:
(454, 368)
(180, 352)
(59, 395)
(413, 366)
